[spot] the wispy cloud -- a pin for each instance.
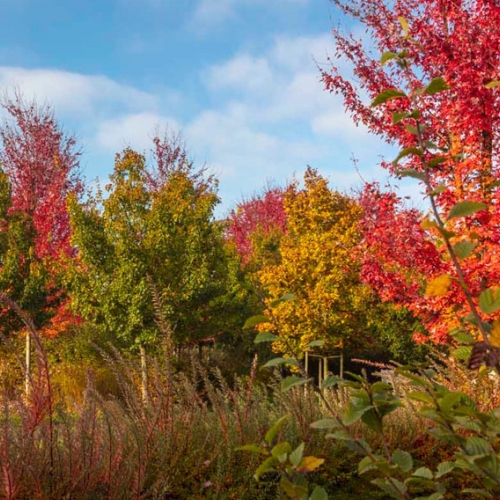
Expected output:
(269, 117)
(74, 93)
(132, 130)
(212, 12)
(273, 118)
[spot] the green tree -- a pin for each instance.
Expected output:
(151, 250)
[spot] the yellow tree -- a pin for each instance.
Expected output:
(317, 264)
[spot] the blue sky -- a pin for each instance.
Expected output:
(237, 78)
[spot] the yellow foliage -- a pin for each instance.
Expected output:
(309, 464)
(317, 264)
(438, 286)
(495, 333)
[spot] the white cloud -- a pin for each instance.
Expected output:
(243, 72)
(285, 80)
(282, 86)
(270, 116)
(297, 53)
(273, 118)
(74, 93)
(229, 140)
(131, 130)
(211, 12)
(335, 124)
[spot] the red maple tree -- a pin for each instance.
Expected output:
(452, 45)
(254, 219)
(42, 165)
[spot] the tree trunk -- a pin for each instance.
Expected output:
(27, 380)
(144, 375)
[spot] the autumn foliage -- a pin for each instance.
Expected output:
(42, 164)
(317, 264)
(256, 221)
(39, 170)
(434, 95)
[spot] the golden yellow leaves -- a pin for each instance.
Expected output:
(495, 333)
(439, 286)
(309, 464)
(316, 264)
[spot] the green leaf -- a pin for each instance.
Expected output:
(451, 399)
(294, 381)
(430, 145)
(463, 352)
(284, 298)
(477, 446)
(331, 380)
(295, 491)
(372, 420)
(477, 491)
(423, 472)
(445, 233)
(281, 361)
(463, 249)
(473, 320)
(325, 423)
(387, 95)
(341, 435)
(428, 224)
(387, 56)
(264, 337)
(414, 174)
(398, 116)
(394, 488)
(255, 320)
(319, 493)
(489, 300)
(443, 468)
(352, 415)
(434, 496)
(407, 152)
(493, 185)
(273, 431)
(423, 397)
(463, 337)
(468, 423)
(416, 130)
(358, 446)
(378, 387)
(253, 448)
(316, 343)
(266, 466)
(436, 85)
(465, 208)
(403, 459)
(492, 84)
(416, 379)
(404, 25)
(437, 160)
(296, 456)
(440, 188)
(281, 449)
(365, 465)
